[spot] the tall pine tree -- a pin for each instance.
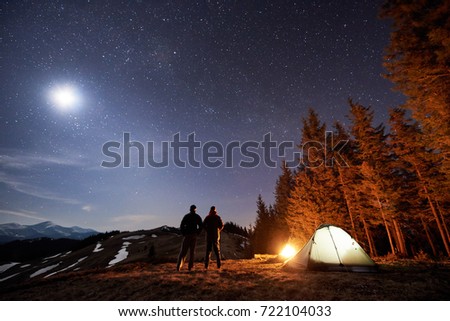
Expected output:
(282, 193)
(350, 182)
(260, 238)
(422, 176)
(418, 62)
(316, 197)
(376, 182)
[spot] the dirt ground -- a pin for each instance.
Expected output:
(253, 279)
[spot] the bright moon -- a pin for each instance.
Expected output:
(65, 97)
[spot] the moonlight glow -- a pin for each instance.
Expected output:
(65, 97)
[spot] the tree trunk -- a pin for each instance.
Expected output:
(347, 203)
(375, 252)
(372, 250)
(403, 239)
(443, 220)
(380, 206)
(400, 238)
(433, 210)
(425, 227)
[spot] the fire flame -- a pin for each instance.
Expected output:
(288, 251)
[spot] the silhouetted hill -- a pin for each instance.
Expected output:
(26, 250)
(103, 251)
(20, 251)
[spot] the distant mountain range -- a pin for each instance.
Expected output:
(13, 231)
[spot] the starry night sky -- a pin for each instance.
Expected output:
(225, 70)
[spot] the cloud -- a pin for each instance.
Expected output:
(87, 208)
(19, 160)
(20, 184)
(18, 170)
(23, 213)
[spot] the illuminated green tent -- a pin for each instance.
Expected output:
(332, 249)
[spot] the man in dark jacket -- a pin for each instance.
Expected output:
(213, 225)
(191, 226)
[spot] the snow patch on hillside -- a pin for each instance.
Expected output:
(121, 255)
(7, 266)
(67, 268)
(44, 270)
(9, 277)
(98, 248)
(133, 237)
(67, 253)
(45, 259)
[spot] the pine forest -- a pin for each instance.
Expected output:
(385, 184)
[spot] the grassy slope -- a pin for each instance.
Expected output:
(239, 280)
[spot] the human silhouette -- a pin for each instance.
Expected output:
(191, 226)
(213, 225)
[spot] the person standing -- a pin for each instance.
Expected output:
(191, 226)
(213, 224)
